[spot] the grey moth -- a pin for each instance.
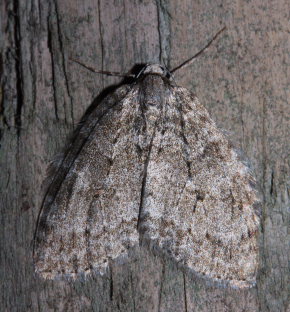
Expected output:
(150, 164)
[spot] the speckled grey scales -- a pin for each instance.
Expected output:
(150, 163)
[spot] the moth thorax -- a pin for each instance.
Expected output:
(155, 69)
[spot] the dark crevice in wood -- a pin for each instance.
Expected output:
(159, 32)
(163, 26)
(133, 292)
(18, 70)
(101, 39)
(2, 96)
(39, 10)
(242, 113)
(61, 44)
(184, 292)
(111, 283)
(125, 19)
(264, 164)
(33, 78)
(272, 184)
(50, 48)
(161, 287)
(264, 144)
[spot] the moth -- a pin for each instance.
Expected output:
(150, 164)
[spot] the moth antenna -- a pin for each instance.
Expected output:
(190, 60)
(103, 72)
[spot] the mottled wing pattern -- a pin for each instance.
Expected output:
(150, 162)
(90, 213)
(197, 199)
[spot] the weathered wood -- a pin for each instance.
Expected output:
(243, 80)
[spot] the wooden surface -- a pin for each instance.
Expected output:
(243, 80)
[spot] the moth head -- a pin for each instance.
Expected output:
(155, 69)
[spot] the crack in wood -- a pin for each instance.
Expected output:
(18, 68)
